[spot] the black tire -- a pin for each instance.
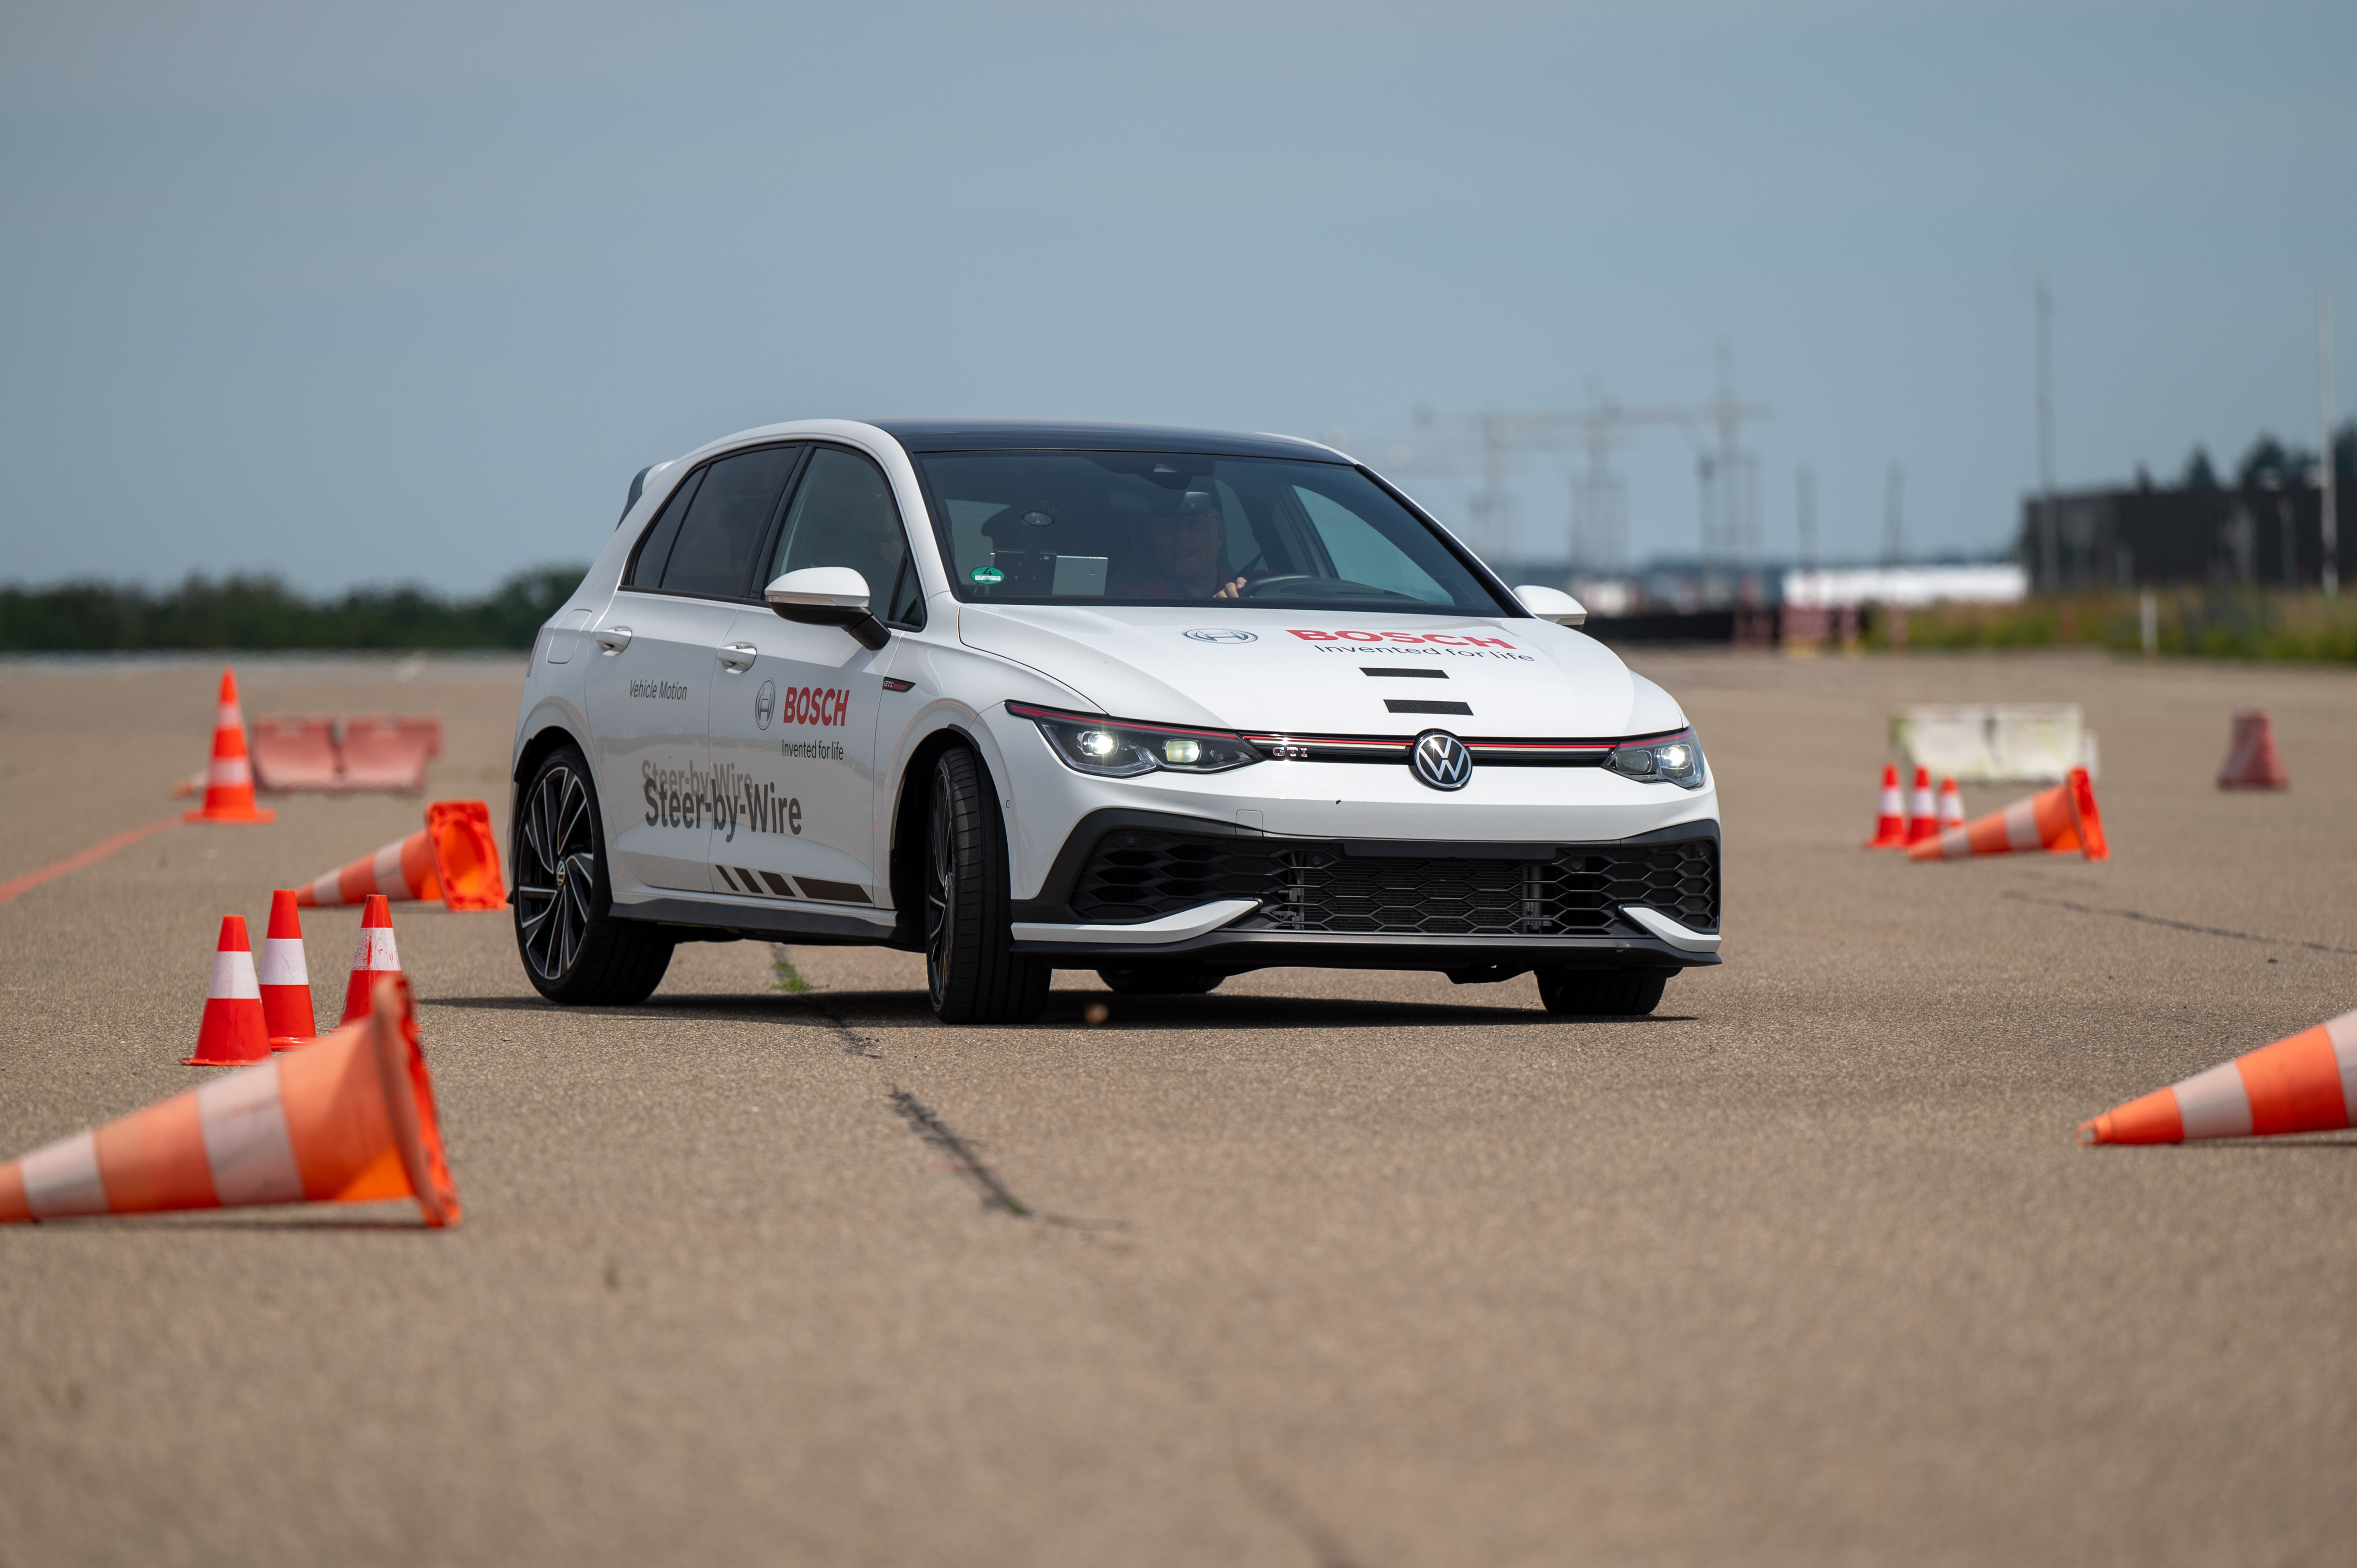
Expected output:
(971, 969)
(1602, 993)
(1163, 979)
(573, 949)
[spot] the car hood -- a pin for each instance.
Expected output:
(1308, 672)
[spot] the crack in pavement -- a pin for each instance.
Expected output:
(2179, 925)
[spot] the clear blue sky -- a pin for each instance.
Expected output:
(379, 293)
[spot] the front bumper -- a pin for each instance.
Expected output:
(1130, 885)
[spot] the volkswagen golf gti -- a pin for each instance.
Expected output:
(1168, 705)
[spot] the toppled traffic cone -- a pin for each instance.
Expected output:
(1922, 809)
(2298, 1085)
(2064, 818)
(374, 960)
(286, 978)
(229, 781)
(2251, 761)
(348, 1120)
(231, 1030)
(454, 858)
(1890, 816)
(1951, 805)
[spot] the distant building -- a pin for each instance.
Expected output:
(2174, 536)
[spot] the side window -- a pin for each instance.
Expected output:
(843, 515)
(721, 530)
(654, 549)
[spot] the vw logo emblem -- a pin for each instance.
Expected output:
(1441, 760)
(765, 703)
(1222, 634)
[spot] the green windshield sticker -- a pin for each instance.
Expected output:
(988, 575)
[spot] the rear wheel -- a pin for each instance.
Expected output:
(1602, 993)
(1163, 979)
(573, 949)
(971, 969)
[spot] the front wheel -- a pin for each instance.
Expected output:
(1602, 993)
(575, 950)
(971, 969)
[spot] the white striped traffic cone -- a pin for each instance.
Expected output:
(229, 781)
(374, 960)
(231, 1030)
(285, 977)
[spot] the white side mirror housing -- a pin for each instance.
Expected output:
(828, 588)
(828, 596)
(1552, 604)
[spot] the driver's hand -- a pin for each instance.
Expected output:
(1234, 590)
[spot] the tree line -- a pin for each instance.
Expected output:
(263, 613)
(2270, 462)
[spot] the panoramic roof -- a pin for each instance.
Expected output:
(1042, 434)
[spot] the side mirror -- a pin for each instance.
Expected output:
(828, 596)
(1552, 604)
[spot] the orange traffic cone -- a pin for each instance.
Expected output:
(1922, 809)
(373, 959)
(350, 1121)
(2251, 761)
(285, 977)
(2063, 817)
(454, 859)
(229, 782)
(1951, 805)
(231, 1030)
(2302, 1084)
(1890, 818)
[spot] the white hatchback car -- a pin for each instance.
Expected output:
(1168, 705)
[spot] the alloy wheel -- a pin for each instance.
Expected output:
(557, 871)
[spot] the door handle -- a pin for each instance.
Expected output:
(739, 656)
(613, 638)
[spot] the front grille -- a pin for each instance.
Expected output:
(1140, 875)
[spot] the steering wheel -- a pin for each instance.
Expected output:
(1254, 589)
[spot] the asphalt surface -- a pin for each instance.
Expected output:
(1321, 1269)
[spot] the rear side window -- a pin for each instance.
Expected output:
(843, 515)
(654, 549)
(713, 556)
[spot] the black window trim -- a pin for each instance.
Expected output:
(938, 516)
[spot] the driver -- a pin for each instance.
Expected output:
(1187, 545)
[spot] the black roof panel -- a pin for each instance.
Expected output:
(1054, 435)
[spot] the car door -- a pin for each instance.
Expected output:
(793, 725)
(651, 678)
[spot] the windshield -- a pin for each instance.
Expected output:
(1094, 528)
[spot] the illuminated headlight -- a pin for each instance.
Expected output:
(1675, 759)
(1121, 750)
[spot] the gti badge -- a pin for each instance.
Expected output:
(765, 703)
(1441, 760)
(1222, 634)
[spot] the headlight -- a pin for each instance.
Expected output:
(1117, 749)
(1672, 759)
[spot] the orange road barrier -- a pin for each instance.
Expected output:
(2251, 761)
(231, 1030)
(1890, 816)
(17, 886)
(1922, 809)
(229, 781)
(295, 752)
(382, 752)
(455, 858)
(1951, 805)
(285, 977)
(2062, 818)
(373, 959)
(2307, 1083)
(350, 1119)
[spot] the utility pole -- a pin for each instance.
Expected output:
(2049, 565)
(1894, 528)
(2330, 487)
